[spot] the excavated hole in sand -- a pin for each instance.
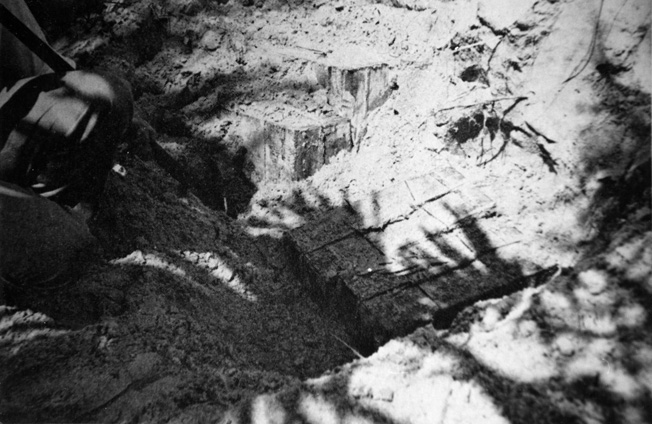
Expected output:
(376, 303)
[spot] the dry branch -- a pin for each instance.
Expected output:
(497, 99)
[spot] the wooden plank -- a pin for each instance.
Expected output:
(383, 207)
(318, 233)
(396, 314)
(426, 188)
(287, 143)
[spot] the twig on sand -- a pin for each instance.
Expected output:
(468, 46)
(585, 61)
(537, 132)
(493, 52)
(497, 99)
(358, 354)
(500, 128)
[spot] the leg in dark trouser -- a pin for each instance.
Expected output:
(58, 134)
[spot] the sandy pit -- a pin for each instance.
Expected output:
(357, 211)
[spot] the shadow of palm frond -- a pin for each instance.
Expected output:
(460, 264)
